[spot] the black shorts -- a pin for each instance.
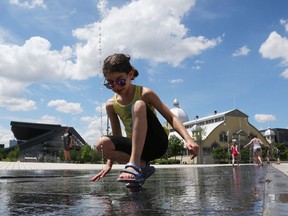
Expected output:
(156, 142)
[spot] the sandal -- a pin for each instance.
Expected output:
(138, 175)
(147, 171)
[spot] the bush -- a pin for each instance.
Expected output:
(14, 155)
(245, 155)
(166, 161)
(219, 154)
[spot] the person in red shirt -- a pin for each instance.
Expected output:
(234, 152)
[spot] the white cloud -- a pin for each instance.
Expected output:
(17, 104)
(101, 108)
(242, 51)
(285, 24)
(34, 61)
(5, 136)
(276, 47)
(285, 73)
(198, 62)
(159, 36)
(28, 4)
(47, 119)
(96, 128)
(20, 66)
(176, 81)
(65, 107)
(4, 35)
(5, 139)
(197, 67)
(262, 118)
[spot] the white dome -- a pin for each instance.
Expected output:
(175, 103)
(176, 110)
(269, 132)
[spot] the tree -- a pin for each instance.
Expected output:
(86, 153)
(14, 155)
(175, 146)
(1, 154)
(245, 155)
(219, 154)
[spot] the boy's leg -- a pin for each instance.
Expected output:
(139, 134)
(107, 149)
(139, 131)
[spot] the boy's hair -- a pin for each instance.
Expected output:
(118, 62)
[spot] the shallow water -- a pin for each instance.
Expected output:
(173, 191)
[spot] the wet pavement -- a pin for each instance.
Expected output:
(214, 190)
(276, 192)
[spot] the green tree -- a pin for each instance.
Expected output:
(175, 146)
(1, 154)
(75, 155)
(245, 155)
(14, 155)
(219, 154)
(283, 151)
(86, 153)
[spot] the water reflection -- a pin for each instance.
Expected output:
(236, 182)
(182, 191)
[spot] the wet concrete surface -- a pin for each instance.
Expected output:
(215, 190)
(276, 193)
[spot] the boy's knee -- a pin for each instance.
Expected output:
(139, 106)
(99, 143)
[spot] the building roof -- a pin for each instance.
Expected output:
(210, 122)
(32, 134)
(269, 132)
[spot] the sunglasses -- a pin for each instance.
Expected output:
(111, 84)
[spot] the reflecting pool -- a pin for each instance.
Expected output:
(214, 190)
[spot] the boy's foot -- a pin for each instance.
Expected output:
(136, 171)
(147, 171)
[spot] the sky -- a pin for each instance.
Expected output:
(210, 55)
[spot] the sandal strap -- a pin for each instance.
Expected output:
(134, 166)
(136, 174)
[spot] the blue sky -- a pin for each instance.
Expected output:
(210, 55)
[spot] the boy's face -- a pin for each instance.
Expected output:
(118, 81)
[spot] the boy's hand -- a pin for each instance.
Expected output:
(193, 148)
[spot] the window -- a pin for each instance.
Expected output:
(223, 137)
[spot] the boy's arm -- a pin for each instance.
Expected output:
(151, 98)
(113, 117)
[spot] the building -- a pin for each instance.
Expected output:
(276, 135)
(218, 129)
(41, 140)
